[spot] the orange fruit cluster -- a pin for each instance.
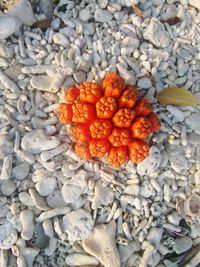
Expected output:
(109, 119)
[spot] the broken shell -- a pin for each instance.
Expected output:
(192, 206)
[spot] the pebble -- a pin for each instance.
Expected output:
(46, 7)
(60, 39)
(177, 113)
(6, 146)
(194, 3)
(182, 245)
(8, 25)
(182, 67)
(102, 16)
(179, 163)
(144, 83)
(156, 34)
(5, 51)
(37, 141)
(193, 121)
(21, 171)
(46, 186)
(85, 15)
(8, 187)
(23, 11)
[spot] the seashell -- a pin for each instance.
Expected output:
(23, 11)
(8, 236)
(78, 224)
(101, 244)
(192, 206)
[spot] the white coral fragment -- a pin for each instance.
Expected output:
(78, 224)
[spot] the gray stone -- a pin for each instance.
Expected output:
(126, 251)
(144, 83)
(8, 25)
(46, 7)
(6, 146)
(193, 121)
(103, 16)
(151, 163)
(14, 71)
(85, 15)
(8, 187)
(37, 141)
(5, 51)
(21, 171)
(22, 10)
(182, 67)
(156, 34)
(179, 163)
(193, 138)
(182, 244)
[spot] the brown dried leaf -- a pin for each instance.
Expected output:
(42, 24)
(172, 21)
(177, 96)
(137, 11)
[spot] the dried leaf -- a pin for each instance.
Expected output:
(42, 24)
(177, 96)
(137, 11)
(172, 21)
